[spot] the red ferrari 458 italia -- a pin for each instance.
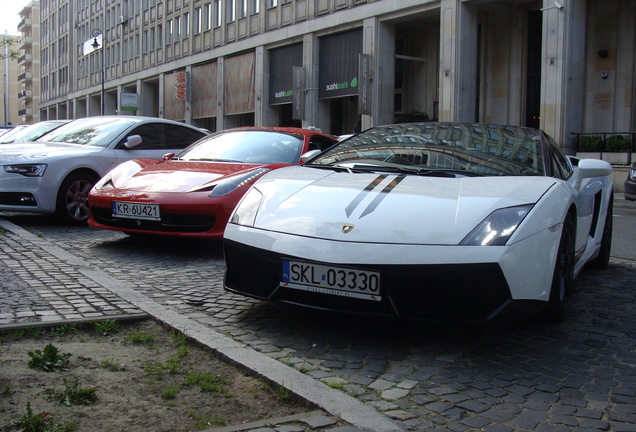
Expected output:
(192, 194)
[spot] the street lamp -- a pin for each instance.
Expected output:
(96, 46)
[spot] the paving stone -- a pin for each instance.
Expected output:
(318, 421)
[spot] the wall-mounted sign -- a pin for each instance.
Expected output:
(298, 110)
(129, 101)
(281, 79)
(338, 64)
(364, 84)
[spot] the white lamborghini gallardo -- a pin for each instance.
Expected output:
(454, 221)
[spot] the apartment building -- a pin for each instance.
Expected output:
(565, 66)
(29, 64)
(9, 70)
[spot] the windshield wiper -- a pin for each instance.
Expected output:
(330, 167)
(406, 170)
(215, 160)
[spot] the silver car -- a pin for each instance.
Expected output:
(54, 174)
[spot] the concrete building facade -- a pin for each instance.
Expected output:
(565, 66)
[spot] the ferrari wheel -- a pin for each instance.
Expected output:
(563, 276)
(602, 260)
(72, 199)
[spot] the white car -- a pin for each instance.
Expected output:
(54, 174)
(451, 221)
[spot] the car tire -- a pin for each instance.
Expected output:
(72, 198)
(602, 260)
(563, 276)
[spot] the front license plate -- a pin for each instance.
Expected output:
(132, 210)
(346, 282)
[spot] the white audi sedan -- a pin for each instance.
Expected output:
(54, 174)
(449, 221)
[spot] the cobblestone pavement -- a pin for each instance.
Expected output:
(578, 375)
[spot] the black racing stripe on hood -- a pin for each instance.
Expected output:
(358, 199)
(378, 199)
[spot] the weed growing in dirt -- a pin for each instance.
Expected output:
(49, 360)
(72, 394)
(42, 422)
(206, 381)
(204, 422)
(170, 392)
(106, 328)
(113, 366)
(140, 338)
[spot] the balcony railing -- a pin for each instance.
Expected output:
(615, 147)
(24, 24)
(25, 76)
(24, 94)
(25, 58)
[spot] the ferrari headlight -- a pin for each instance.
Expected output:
(245, 213)
(29, 170)
(225, 187)
(497, 228)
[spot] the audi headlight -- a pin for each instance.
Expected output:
(229, 185)
(245, 213)
(28, 170)
(497, 228)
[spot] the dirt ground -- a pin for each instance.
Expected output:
(146, 378)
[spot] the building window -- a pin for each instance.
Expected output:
(169, 32)
(218, 10)
(207, 22)
(231, 10)
(186, 25)
(242, 6)
(272, 3)
(177, 28)
(256, 6)
(197, 20)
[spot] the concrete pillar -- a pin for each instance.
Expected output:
(220, 94)
(188, 101)
(379, 41)
(563, 71)
(314, 114)
(261, 87)
(458, 62)
(162, 95)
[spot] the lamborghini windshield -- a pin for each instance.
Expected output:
(429, 148)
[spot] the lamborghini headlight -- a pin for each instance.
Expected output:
(497, 228)
(28, 170)
(245, 213)
(229, 185)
